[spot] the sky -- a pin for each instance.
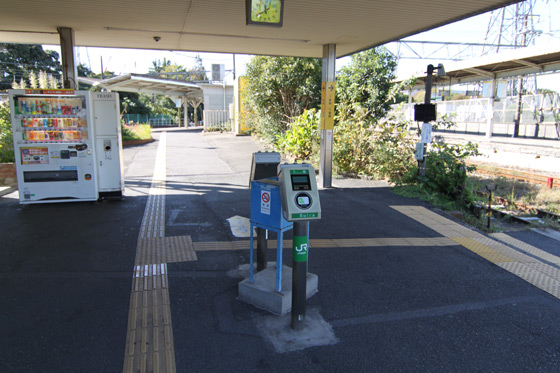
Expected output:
(473, 29)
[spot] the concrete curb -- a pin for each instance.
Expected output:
(137, 142)
(6, 190)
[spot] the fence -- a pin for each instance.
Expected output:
(539, 115)
(153, 120)
(217, 120)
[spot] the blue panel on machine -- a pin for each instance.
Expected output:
(266, 205)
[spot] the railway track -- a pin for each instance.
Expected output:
(522, 213)
(518, 175)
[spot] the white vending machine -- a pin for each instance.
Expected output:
(55, 146)
(108, 144)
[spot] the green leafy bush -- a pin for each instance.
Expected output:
(136, 132)
(446, 171)
(6, 139)
(384, 150)
(353, 146)
(301, 140)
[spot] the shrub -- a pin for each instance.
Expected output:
(384, 150)
(353, 147)
(301, 140)
(6, 139)
(446, 171)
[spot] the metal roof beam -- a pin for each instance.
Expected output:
(526, 63)
(481, 72)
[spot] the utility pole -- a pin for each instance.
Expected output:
(425, 125)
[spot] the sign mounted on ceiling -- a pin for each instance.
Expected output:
(265, 12)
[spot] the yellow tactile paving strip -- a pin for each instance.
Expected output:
(530, 249)
(149, 345)
(537, 273)
(149, 339)
(165, 250)
(329, 243)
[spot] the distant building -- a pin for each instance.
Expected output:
(216, 96)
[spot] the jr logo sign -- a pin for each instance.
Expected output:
(300, 248)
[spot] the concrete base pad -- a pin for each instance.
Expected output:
(262, 292)
(277, 330)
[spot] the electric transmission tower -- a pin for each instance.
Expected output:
(513, 27)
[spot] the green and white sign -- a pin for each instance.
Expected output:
(300, 248)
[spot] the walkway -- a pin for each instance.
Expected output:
(150, 283)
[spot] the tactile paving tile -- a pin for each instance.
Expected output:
(536, 275)
(149, 344)
(153, 223)
(149, 337)
(484, 251)
(530, 249)
(165, 250)
(328, 243)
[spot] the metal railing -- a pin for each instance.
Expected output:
(160, 120)
(539, 116)
(217, 120)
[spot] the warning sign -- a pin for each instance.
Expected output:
(265, 202)
(327, 105)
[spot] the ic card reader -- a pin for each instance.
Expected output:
(298, 189)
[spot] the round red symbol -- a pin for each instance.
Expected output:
(265, 197)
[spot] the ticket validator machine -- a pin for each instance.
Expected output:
(300, 204)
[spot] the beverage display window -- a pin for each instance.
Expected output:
(53, 139)
(44, 119)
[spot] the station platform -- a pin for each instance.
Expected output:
(150, 283)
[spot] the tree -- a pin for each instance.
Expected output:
(280, 88)
(19, 60)
(365, 85)
(158, 65)
(84, 70)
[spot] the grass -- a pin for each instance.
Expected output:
(136, 132)
(446, 204)
(513, 190)
(518, 191)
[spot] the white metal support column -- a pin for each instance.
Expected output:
(327, 115)
(186, 113)
(490, 110)
(69, 67)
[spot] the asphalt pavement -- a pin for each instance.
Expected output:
(403, 286)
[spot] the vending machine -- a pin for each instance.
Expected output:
(54, 146)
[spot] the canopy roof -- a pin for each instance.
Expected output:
(517, 62)
(220, 25)
(143, 84)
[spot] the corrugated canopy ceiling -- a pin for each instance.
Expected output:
(518, 62)
(220, 26)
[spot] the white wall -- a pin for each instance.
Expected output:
(214, 96)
